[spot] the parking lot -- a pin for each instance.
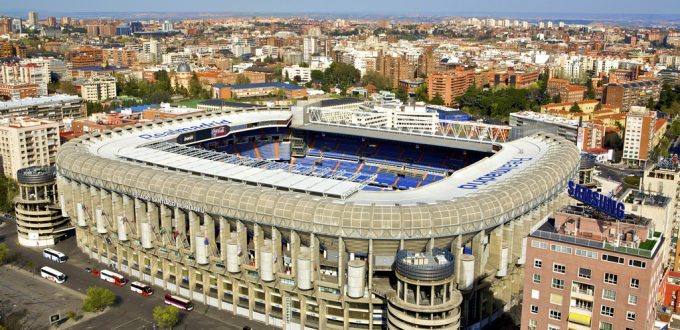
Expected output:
(21, 290)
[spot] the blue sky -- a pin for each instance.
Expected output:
(448, 7)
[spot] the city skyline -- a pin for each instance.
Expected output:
(435, 7)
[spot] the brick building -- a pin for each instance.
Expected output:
(449, 85)
(633, 93)
(586, 270)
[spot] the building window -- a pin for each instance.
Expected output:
(632, 299)
(606, 326)
(534, 309)
(535, 294)
(539, 245)
(557, 283)
(538, 263)
(607, 311)
(553, 327)
(611, 258)
(584, 273)
(537, 278)
(533, 324)
(608, 294)
(637, 263)
(611, 278)
(556, 299)
(630, 316)
(555, 314)
(557, 268)
(634, 283)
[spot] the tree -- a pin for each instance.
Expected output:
(342, 75)
(241, 80)
(437, 100)
(4, 253)
(98, 299)
(8, 190)
(195, 86)
(166, 316)
(557, 98)
(651, 105)
(317, 75)
(163, 80)
(376, 79)
(575, 108)
(421, 93)
(66, 87)
(590, 90)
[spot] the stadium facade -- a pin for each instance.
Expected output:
(314, 225)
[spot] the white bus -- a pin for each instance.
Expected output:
(178, 302)
(112, 277)
(52, 274)
(54, 255)
(141, 288)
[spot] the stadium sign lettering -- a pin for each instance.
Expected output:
(595, 199)
(168, 202)
(184, 129)
(495, 174)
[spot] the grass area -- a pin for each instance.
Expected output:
(632, 181)
(647, 245)
(190, 103)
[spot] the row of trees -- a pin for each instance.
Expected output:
(97, 299)
(161, 90)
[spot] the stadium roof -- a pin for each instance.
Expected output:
(216, 102)
(521, 176)
(342, 101)
(58, 98)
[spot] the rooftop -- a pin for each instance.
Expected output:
(39, 100)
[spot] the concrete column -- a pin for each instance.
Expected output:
(370, 264)
(341, 262)
(242, 233)
(258, 241)
(220, 290)
(294, 252)
(194, 225)
(153, 217)
(457, 252)
(139, 216)
(276, 250)
(116, 209)
(478, 253)
(495, 245)
(225, 235)
(180, 227)
(314, 248)
(166, 224)
(345, 316)
(209, 223)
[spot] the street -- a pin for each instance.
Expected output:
(131, 311)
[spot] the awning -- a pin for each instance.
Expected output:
(579, 318)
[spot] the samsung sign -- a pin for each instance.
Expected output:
(495, 174)
(171, 132)
(595, 199)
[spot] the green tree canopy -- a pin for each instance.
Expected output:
(317, 75)
(166, 316)
(376, 79)
(8, 190)
(557, 98)
(341, 74)
(163, 80)
(242, 79)
(575, 108)
(437, 100)
(4, 253)
(590, 90)
(97, 299)
(67, 87)
(195, 86)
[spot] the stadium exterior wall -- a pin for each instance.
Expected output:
(298, 227)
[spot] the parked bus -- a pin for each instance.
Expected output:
(54, 255)
(52, 274)
(178, 302)
(141, 288)
(112, 277)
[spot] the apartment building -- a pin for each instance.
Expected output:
(27, 142)
(120, 56)
(16, 91)
(633, 93)
(297, 73)
(28, 73)
(98, 88)
(395, 67)
(639, 135)
(587, 270)
(54, 108)
(449, 85)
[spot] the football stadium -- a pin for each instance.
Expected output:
(307, 218)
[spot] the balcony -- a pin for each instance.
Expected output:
(582, 293)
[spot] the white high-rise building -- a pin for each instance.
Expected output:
(152, 50)
(17, 25)
(33, 20)
(297, 73)
(99, 88)
(28, 142)
(167, 26)
(309, 47)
